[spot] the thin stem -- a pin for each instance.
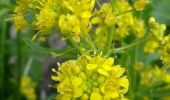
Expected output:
(54, 54)
(125, 12)
(72, 43)
(90, 42)
(28, 66)
(131, 45)
(98, 3)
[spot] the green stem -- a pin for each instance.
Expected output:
(125, 12)
(90, 42)
(2, 58)
(72, 43)
(98, 3)
(108, 45)
(28, 66)
(19, 61)
(130, 45)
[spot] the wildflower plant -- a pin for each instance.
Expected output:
(97, 36)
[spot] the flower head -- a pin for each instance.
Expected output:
(19, 21)
(28, 88)
(23, 6)
(165, 56)
(152, 76)
(46, 20)
(89, 78)
(140, 4)
(156, 36)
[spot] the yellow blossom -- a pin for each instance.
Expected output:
(157, 30)
(165, 55)
(91, 78)
(46, 20)
(22, 6)
(37, 4)
(19, 22)
(78, 21)
(72, 21)
(153, 75)
(27, 88)
(138, 28)
(140, 4)
(151, 46)
(156, 36)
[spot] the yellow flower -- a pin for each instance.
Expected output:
(46, 20)
(27, 88)
(157, 30)
(77, 21)
(138, 28)
(151, 46)
(156, 36)
(91, 78)
(22, 6)
(165, 55)
(19, 21)
(140, 4)
(38, 4)
(72, 21)
(153, 75)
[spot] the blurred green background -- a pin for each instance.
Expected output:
(16, 50)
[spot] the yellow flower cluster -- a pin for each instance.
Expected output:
(120, 17)
(75, 18)
(71, 17)
(19, 16)
(77, 21)
(27, 88)
(165, 55)
(19, 21)
(154, 75)
(91, 78)
(156, 36)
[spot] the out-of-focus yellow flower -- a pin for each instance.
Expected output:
(106, 14)
(19, 21)
(91, 78)
(140, 4)
(151, 46)
(156, 36)
(167, 78)
(38, 4)
(22, 6)
(122, 22)
(138, 66)
(165, 55)
(153, 75)
(157, 30)
(46, 20)
(27, 88)
(42, 39)
(165, 98)
(138, 28)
